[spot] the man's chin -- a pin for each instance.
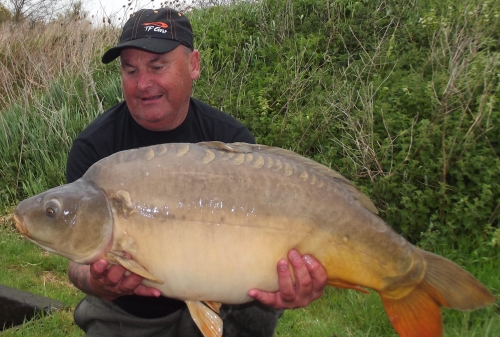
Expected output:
(160, 122)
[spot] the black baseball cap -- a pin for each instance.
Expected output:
(153, 30)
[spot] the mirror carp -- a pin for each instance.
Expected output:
(207, 222)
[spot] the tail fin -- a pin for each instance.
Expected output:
(452, 286)
(445, 284)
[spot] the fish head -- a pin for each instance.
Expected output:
(72, 220)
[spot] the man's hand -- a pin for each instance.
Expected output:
(108, 283)
(310, 280)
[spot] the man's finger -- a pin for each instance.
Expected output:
(303, 281)
(285, 281)
(270, 299)
(147, 291)
(317, 273)
(130, 282)
(115, 274)
(98, 268)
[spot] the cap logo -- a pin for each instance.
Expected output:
(157, 24)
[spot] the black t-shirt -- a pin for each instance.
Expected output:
(116, 130)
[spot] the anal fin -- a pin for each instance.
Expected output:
(346, 285)
(415, 315)
(209, 323)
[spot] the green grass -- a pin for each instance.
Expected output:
(338, 312)
(60, 324)
(25, 266)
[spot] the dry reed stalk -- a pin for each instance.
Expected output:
(33, 56)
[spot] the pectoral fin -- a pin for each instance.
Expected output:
(209, 323)
(132, 265)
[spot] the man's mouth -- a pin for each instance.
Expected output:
(151, 98)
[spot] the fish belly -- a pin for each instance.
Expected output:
(210, 261)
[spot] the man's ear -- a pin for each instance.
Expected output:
(194, 63)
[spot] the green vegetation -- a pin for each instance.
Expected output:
(402, 97)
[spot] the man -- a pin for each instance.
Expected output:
(158, 66)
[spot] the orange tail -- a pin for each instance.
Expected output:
(445, 284)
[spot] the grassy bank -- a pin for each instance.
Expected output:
(402, 97)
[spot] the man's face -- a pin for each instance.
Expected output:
(157, 87)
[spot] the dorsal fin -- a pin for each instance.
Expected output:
(309, 164)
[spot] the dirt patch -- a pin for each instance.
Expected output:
(53, 278)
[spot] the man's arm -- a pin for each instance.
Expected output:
(107, 283)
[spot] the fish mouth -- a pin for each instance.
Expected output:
(20, 225)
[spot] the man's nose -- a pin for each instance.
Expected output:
(144, 81)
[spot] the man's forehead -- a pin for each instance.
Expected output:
(131, 54)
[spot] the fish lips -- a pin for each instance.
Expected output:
(18, 220)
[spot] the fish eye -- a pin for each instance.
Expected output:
(52, 208)
(50, 212)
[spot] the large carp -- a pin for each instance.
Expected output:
(209, 221)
